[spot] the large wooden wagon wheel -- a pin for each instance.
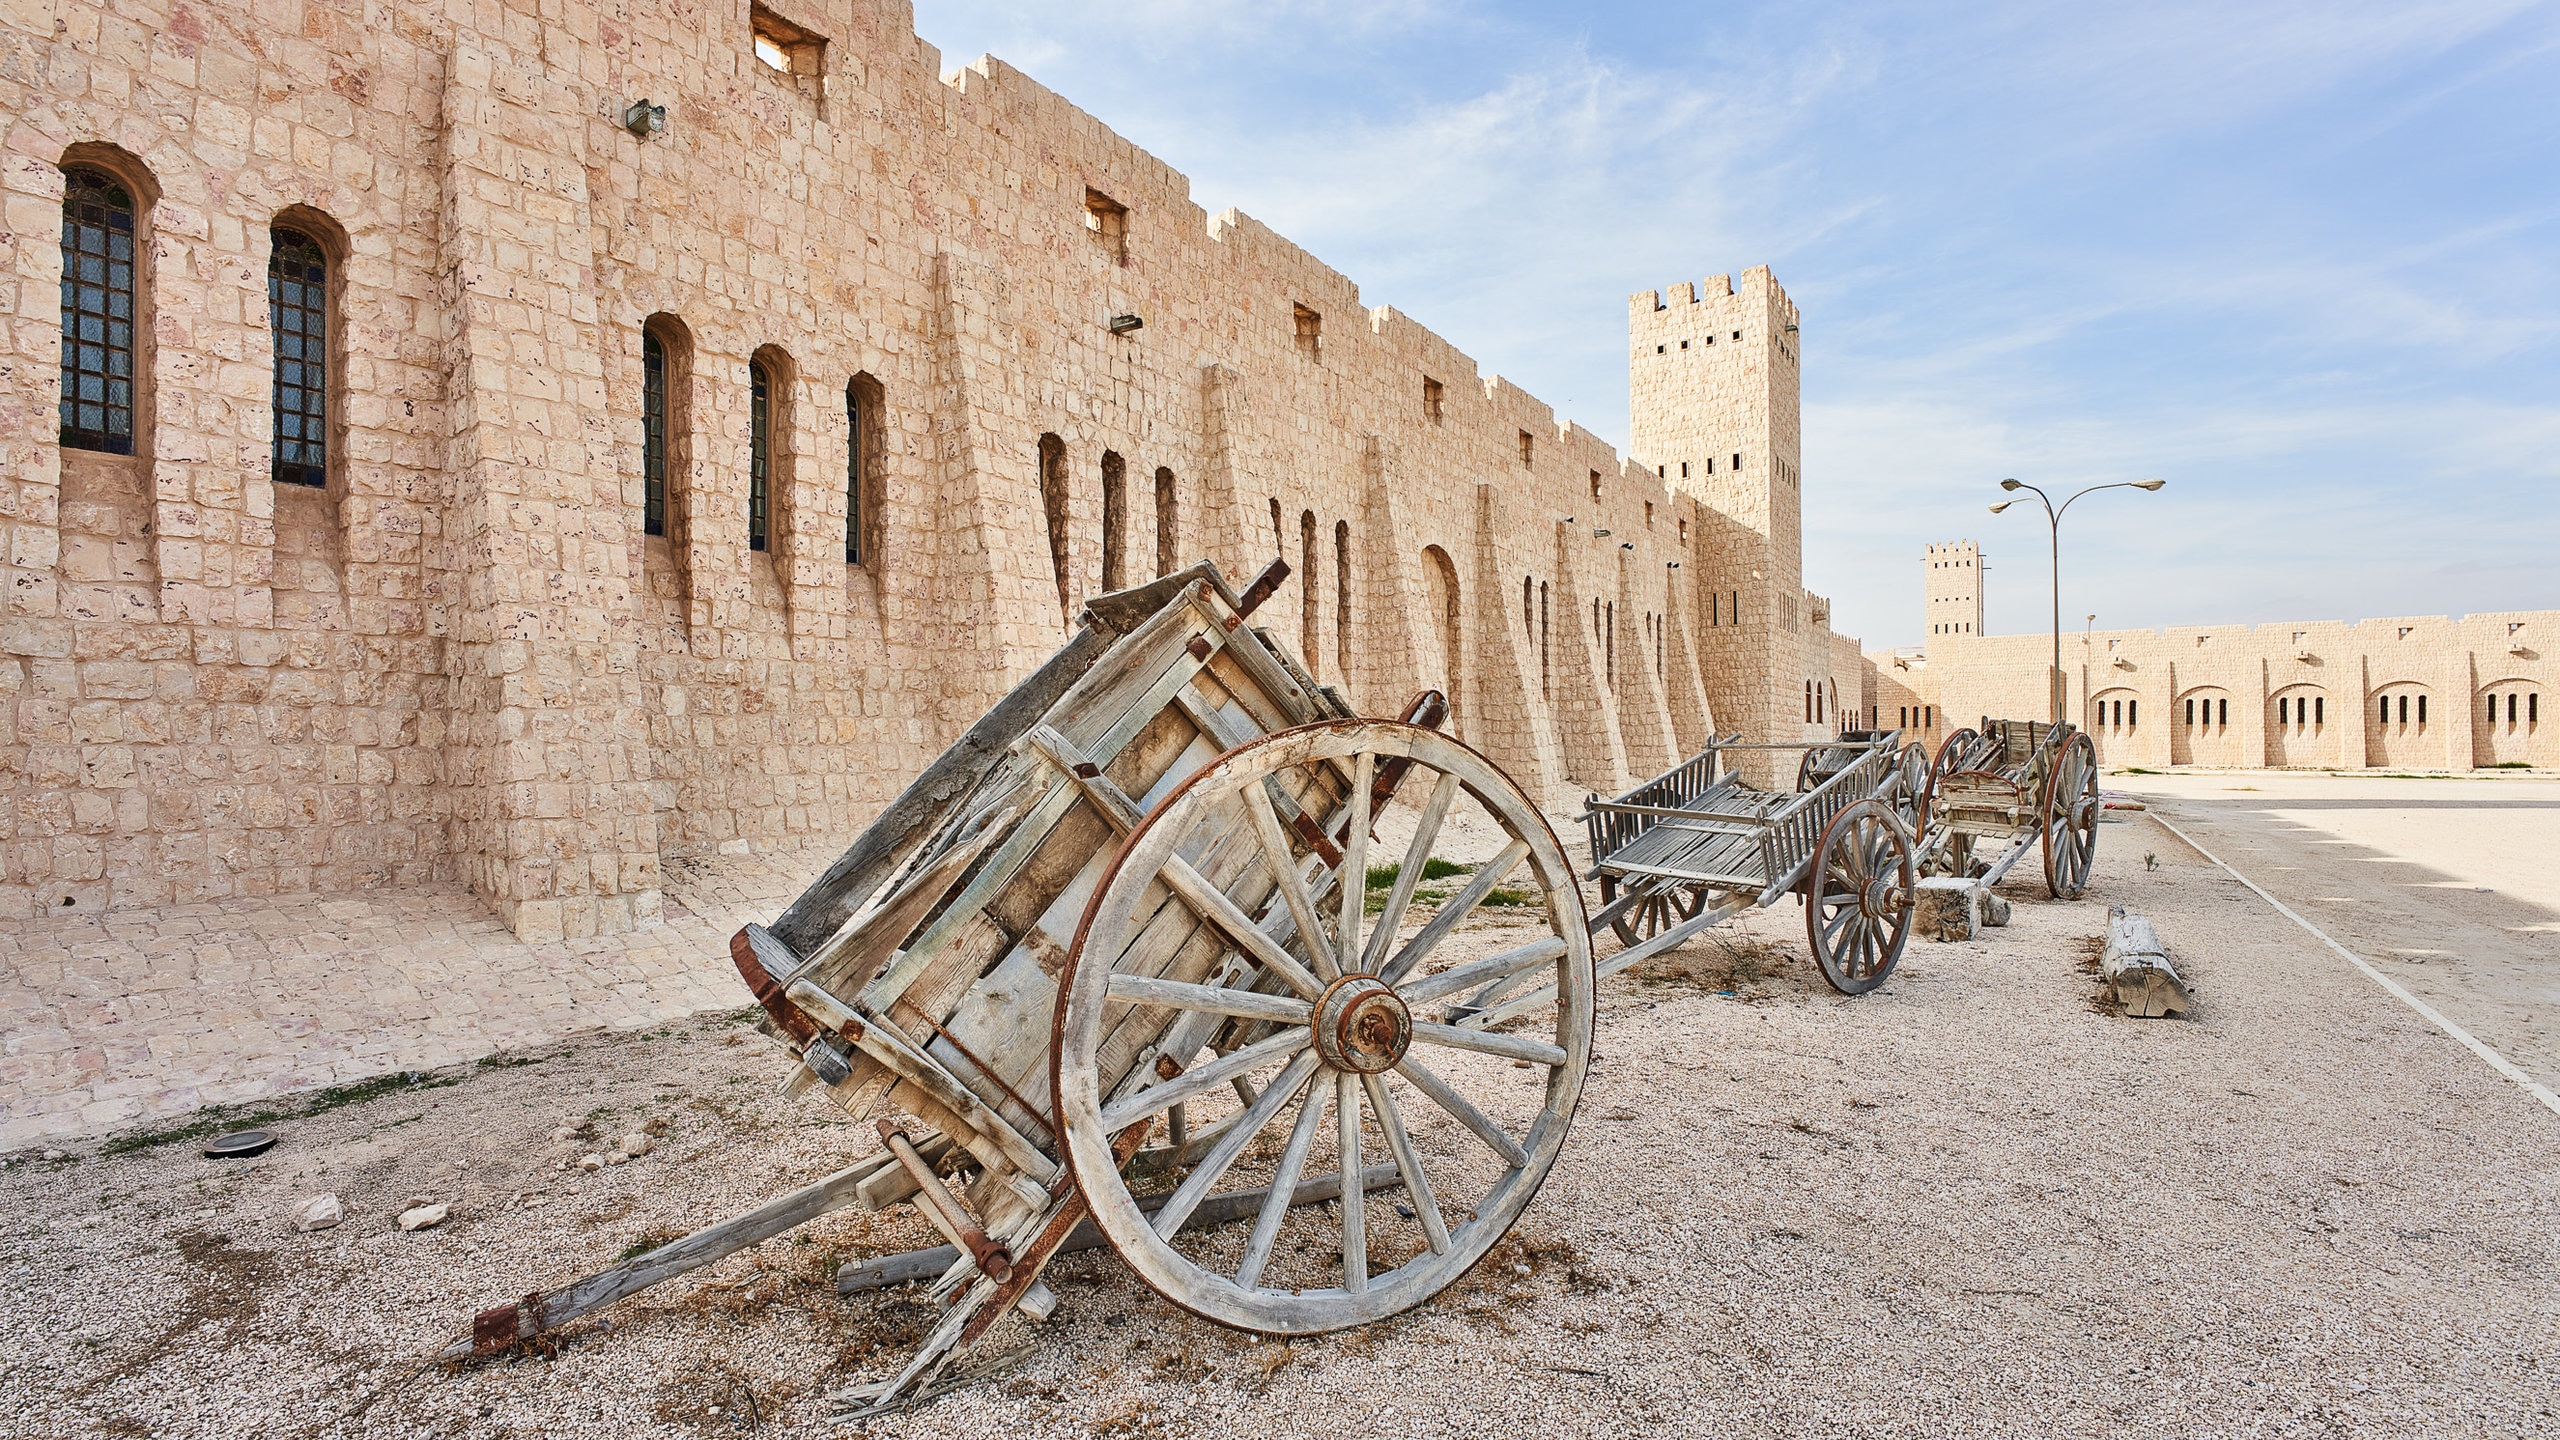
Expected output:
(1654, 913)
(1469, 1120)
(2070, 813)
(1860, 894)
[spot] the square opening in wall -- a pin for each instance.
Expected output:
(1310, 332)
(790, 49)
(1107, 221)
(1435, 398)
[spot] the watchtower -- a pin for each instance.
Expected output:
(1715, 404)
(1954, 586)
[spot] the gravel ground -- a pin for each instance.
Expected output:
(1969, 1203)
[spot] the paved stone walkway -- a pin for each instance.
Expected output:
(110, 1019)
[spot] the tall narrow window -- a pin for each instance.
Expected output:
(98, 216)
(653, 433)
(2133, 711)
(2422, 709)
(1307, 591)
(2319, 707)
(2223, 714)
(1168, 524)
(1310, 331)
(1115, 521)
(1053, 504)
(2386, 709)
(1279, 533)
(1342, 598)
(1612, 632)
(865, 458)
(2282, 705)
(759, 453)
(298, 316)
(1529, 615)
(1544, 687)
(1434, 399)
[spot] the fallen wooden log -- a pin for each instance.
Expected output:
(2136, 965)
(887, 1270)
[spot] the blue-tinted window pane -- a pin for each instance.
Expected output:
(297, 314)
(97, 311)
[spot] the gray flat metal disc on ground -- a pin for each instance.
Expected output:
(239, 1144)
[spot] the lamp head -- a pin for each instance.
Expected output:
(2003, 505)
(2009, 484)
(2149, 484)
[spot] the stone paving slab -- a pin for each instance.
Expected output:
(107, 1020)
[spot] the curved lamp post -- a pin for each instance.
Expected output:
(2053, 527)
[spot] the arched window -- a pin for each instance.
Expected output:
(1053, 503)
(1115, 522)
(1342, 598)
(760, 405)
(1544, 687)
(298, 316)
(1168, 524)
(866, 435)
(98, 296)
(1307, 607)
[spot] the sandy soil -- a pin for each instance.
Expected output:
(1972, 1202)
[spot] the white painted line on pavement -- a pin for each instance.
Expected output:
(2497, 1062)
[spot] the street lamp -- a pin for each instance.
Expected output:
(2053, 527)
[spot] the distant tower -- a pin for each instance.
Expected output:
(1954, 587)
(1714, 390)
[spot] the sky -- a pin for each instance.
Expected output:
(2300, 261)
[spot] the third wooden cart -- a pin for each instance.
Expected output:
(2008, 786)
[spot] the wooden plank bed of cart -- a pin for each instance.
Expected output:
(1998, 790)
(1122, 929)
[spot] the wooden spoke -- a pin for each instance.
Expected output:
(1293, 886)
(1462, 1110)
(1355, 1202)
(1408, 1164)
(1426, 833)
(1204, 1177)
(1210, 999)
(1121, 1115)
(1509, 1047)
(1352, 876)
(1214, 907)
(1493, 872)
(1284, 1183)
(1501, 965)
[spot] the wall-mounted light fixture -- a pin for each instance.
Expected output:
(1599, 534)
(1626, 544)
(1123, 324)
(644, 119)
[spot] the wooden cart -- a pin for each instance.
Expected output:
(1126, 927)
(1696, 845)
(2008, 786)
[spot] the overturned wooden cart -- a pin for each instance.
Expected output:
(2007, 786)
(1128, 926)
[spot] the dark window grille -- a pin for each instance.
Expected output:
(759, 453)
(653, 434)
(2319, 708)
(97, 313)
(298, 314)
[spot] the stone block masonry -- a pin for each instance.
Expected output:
(682, 493)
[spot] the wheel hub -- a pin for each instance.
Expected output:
(1880, 900)
(1361, 1026)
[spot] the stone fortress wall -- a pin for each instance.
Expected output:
(2428, 692)
(686, 491)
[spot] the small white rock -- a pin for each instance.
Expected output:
(56, 1155)
(637, 1144)
(592, 1162)
(424, 1217)
(318, 1212)
(614, 1157)
(564, 1133)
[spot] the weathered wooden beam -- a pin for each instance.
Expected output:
(2136, 964)
(888, 1270)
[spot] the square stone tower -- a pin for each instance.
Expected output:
(1715, 397)
(1954, 587)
